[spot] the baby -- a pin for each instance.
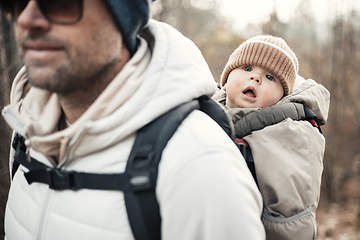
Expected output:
(287, 154)
(259, 73)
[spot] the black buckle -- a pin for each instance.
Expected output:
(60, 180)
(19, 142)
(143, 180)
(140, 160)
(15, 141)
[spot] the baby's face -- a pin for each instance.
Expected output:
(252, 87)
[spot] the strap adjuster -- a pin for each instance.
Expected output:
(142, 180)
(140, 160)
(60, 180)
(18, 142)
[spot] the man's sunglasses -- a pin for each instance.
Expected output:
(56, 11)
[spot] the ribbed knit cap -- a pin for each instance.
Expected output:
(131, 16)
(271, 53)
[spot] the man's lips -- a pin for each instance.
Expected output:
(41, 51)
(40, 46)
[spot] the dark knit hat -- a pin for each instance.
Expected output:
(131, 16)
(271, 53)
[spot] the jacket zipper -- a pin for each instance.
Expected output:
(44, 214)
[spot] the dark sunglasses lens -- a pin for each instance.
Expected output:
(19, 6)
(61, 11)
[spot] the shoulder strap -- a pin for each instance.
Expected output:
(264, 117)
(59, 179)
(142, 206)
(218, 114)
(18, 140)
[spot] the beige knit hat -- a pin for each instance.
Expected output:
(271, 53)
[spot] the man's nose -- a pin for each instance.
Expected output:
(31, 17)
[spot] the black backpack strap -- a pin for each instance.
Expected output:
(218, 114)
(141, 204)
(18, 139)
(58, 179)
(247, 154)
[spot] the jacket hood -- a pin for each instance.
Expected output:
(175, 74)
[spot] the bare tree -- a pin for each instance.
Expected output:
(4, 130)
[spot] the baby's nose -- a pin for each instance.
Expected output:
(256, 77)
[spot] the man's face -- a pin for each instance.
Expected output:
(73, 57)
(252, 87)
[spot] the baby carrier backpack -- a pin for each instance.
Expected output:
(289, 204)
(138, 182)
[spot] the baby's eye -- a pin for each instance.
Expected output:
(247, 69)
(271, 78)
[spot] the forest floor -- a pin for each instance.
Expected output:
(339, 222)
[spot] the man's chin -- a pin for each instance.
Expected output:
(42, 77)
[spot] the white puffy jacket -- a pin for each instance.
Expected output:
(205, 190)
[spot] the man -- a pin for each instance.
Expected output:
(89, 83)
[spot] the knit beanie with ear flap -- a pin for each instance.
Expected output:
(131, 16)
(271, 53)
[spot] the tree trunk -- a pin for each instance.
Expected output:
(4, 129)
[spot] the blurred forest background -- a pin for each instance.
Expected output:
(328, 52)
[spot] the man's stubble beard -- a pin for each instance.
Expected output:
(76, 74)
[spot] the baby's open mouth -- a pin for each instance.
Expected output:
(249, 93)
